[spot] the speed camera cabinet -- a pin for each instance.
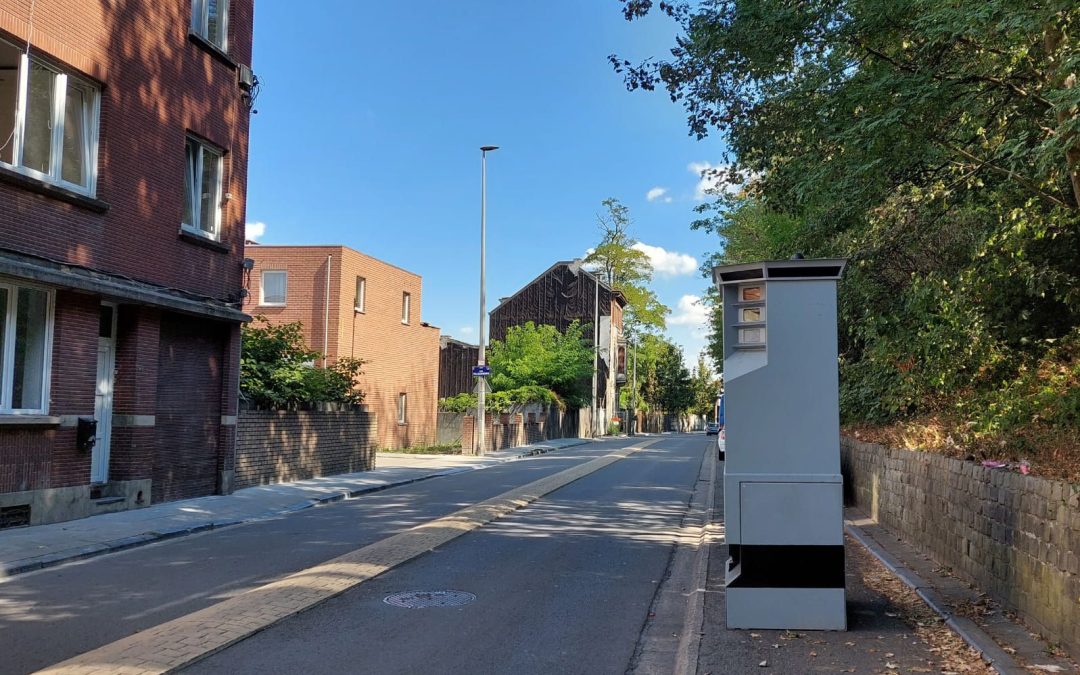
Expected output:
(783, 495)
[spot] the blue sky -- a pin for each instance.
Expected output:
(370, 120)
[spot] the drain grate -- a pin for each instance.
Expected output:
(422, 599)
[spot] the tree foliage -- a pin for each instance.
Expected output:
(541, 356)
(934, 144)
(627, 269)
(278, 371)
(705, 387)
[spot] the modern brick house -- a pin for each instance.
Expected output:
(562, 294)
(123, 164)
(353, 305)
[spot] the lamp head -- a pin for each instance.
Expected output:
(488, 148)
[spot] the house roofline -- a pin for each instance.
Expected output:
(342, 247)
(577, 268)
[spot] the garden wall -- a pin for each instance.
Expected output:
(1016, 537)
(532, 425)
(280, 446)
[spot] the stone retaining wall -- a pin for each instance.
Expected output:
(1016, 537)
(280, 446)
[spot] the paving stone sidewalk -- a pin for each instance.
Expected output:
(29, 548)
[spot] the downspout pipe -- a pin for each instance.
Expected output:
(326, 313)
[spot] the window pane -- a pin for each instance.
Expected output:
(3, 330)
(73, 170)
(197, 8)
(404, 308)
(214, 23)
(30, 337)
(360, 290)
(10, 58)
(273, 287)
(190, 170)
(209, 188)
(37, 136)
(750, 314)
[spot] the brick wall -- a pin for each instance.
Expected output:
(401, 358)
(512, 430)
(156, 86)
(1016, 537)
(277, 446)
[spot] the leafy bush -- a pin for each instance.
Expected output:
(278, 371)
(502, 401)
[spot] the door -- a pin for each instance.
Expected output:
(103, 398)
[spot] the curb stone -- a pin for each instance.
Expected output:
(16, 567)
(967, 629)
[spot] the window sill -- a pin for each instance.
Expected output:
(200, 240)
(273, 305)
(11, 420)
(215, 51)
(49, 190)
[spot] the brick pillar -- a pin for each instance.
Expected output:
(468, 435)
(230, 380)
(135, 393)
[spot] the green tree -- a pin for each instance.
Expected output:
(627, 269)
(278, 371)
(675, 392)
(705, 387)
(936, 145)
(541, 356)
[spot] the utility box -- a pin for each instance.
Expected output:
(783, 492)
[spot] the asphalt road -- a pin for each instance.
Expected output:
(610, 520)
(562, 586)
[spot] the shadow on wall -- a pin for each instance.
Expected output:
(279, 446)
(157, 93)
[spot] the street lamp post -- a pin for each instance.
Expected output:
(481, 397)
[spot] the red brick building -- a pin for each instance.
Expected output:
(123, 164)
(372, 312)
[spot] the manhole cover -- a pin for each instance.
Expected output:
(420, 599)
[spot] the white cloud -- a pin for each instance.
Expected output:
(254, 231)
(668, 263)
(658, 193)
(467, 330)
(692, 312)
(709, 181)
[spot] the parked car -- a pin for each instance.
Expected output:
(712, 428)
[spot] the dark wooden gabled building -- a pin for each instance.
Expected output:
(562, 294)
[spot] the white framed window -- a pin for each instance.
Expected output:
(26, 328)
(202, 189)
(406, 301)
(402, 408)
(274, 287)
(48, 122)
(361, 294)
(210, 20)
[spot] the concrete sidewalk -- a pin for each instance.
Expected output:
(30, 548)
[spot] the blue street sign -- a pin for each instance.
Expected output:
(481, 371)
